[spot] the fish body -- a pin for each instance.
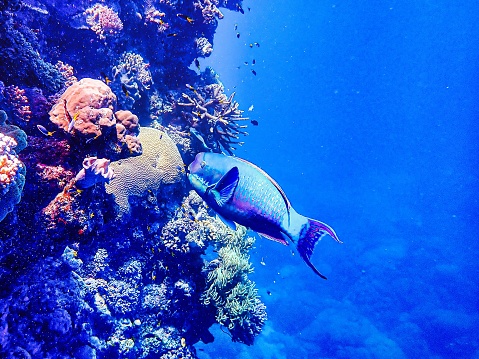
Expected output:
(243, 193)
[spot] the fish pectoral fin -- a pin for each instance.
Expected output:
(278, 239)
(225, 188)
(230, 224)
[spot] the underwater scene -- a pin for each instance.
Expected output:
(239, 179)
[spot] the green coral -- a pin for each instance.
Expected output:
(229, 290)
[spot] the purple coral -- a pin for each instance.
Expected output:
(95, 170)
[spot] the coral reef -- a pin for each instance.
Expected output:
(111, 261)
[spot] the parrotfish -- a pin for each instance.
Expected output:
(241, 192)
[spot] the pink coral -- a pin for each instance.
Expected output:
(86, 109)
(89, 103)
(95, 170)
(103, 20)
(19, 101)
(67, 73)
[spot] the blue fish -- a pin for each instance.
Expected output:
(241, 192)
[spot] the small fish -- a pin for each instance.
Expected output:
(72, 122)
(125, 90)
(251, 108)
(197, 64)
(257, 44)
(253, 72)
(262, 262)
(229, 185)
(269, 293)
(92, 139)
(254, 61)
(254, 122)
(238, 35)
(246, 62)
(240, 9)
(236, 27)
(44, 131)
(183, 342)
(105, 78)
(186, 18)
(249, 9)
(173, 34)
(251, 45)
(189, 87)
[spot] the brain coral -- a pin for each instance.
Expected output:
(159, 164)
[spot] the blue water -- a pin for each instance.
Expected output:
(368, 119)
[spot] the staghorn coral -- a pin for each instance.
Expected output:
(216, 116)
(160, 164)
(234, 296)
(103, 20)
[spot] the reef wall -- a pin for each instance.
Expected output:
(104, 250)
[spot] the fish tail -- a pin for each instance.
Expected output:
(311, 233)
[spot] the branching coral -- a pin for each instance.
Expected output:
(229, 289)
(216, 116)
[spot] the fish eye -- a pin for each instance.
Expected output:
(203, 164)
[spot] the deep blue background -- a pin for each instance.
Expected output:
(368, 119)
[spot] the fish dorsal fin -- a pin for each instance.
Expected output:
(224, 189)
(286, 200)
(276, 239)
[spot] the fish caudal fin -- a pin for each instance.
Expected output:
(311, 233)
